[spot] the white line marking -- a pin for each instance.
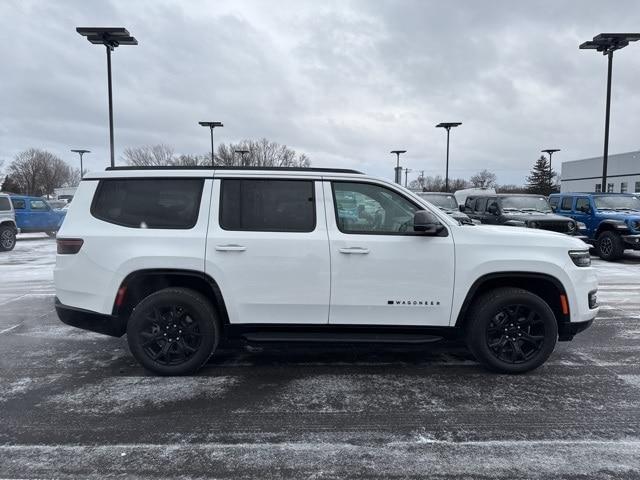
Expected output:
(9, 329)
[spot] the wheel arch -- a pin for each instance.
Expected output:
(547, 287)
(141, 283)
(615, 226)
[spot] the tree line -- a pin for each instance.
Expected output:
(38, 172)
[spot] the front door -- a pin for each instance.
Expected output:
(267, 247)
(382, 272)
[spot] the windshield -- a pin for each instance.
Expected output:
(615, 202)
(526, 203)
(443, 201)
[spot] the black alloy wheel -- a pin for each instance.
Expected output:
(7, 238)
(511, 330)
(173, 331)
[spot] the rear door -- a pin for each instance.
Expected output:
(382, 272)
(40, 215)
(267, 248)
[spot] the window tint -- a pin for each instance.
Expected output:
(481, 205)
(469, 204)
(623, 187)
(554, 202)
(38, 205)
(368, 208)
(4, 204)
(637, 187)
(566, 203)
(609, 187)
(18, 203)
(149, 202)
(267, 205)
(493, 204)
(582, 204)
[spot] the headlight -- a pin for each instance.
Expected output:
(532, 224)
(571, 227)
(582, 226)
(634, 224)
(581, 258)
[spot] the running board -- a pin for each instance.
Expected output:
(332, 337)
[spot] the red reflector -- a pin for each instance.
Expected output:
(69, 246)
(120, 296)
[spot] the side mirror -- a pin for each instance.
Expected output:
(426, 222)
(585, 209)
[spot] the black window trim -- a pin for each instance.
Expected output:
(443, 233)
(102, 181)
(267, 179)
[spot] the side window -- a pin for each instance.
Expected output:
(469, 204)
(566, 203)
(267, 205)
(598, 188)
(553, 201)
(18, 203)
(38, 205)
(374, 209)
(492, 204)
(4, 204)
(582, 204)
(481, 205)
(171, 203)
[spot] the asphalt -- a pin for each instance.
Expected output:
(76, 405)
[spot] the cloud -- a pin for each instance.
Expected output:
(345, 82)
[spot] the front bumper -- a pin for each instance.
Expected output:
(566, 331)
(92, 321)
(632, 241)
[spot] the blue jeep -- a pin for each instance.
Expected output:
(612, 219)
(34, 214)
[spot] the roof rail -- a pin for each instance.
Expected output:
(201, 167)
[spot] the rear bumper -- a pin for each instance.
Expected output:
(92, 321)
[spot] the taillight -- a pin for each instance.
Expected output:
(69, 246)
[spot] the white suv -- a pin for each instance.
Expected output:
(180, 259)
(8, 228)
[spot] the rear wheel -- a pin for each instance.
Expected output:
(610, 246)
(511, 330)
(7, 238)
(173, 331)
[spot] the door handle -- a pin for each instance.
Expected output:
(360, 250)
(232, 247)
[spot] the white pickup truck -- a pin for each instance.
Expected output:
(8, 228)
(181, 259)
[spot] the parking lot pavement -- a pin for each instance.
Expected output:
(75, 404)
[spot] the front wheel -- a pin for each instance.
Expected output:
(511, 330)
(610, 246)
(7, 238)
(173, 331)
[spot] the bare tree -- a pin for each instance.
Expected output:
(38, 172)
(149, 155)
(483, 179)
(509, 188)
(436, 184)
(261, 153)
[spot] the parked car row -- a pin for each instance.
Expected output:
(610, 222)
(26, 214)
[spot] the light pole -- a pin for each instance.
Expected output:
(242, 153)
(398, 169)
(550, 152)
(607, 43)
(448, 126)
(211, 126)
(81, 152)
(111, 38)
(406, 174)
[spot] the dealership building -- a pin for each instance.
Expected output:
(623, 174)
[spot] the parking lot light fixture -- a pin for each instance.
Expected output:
(406, 174)
(398, 169)
(242, 154)
(448, 126)
(211, 126)
(81, 153)
(607, 43)
(110, 37)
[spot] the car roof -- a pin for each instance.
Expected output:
(436, 193)
(595, 194)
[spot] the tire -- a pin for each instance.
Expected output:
(531, 335)
(7, 238)
(152, 323)
(610, 246)
(51, 234)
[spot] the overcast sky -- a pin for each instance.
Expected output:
(343, 81)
